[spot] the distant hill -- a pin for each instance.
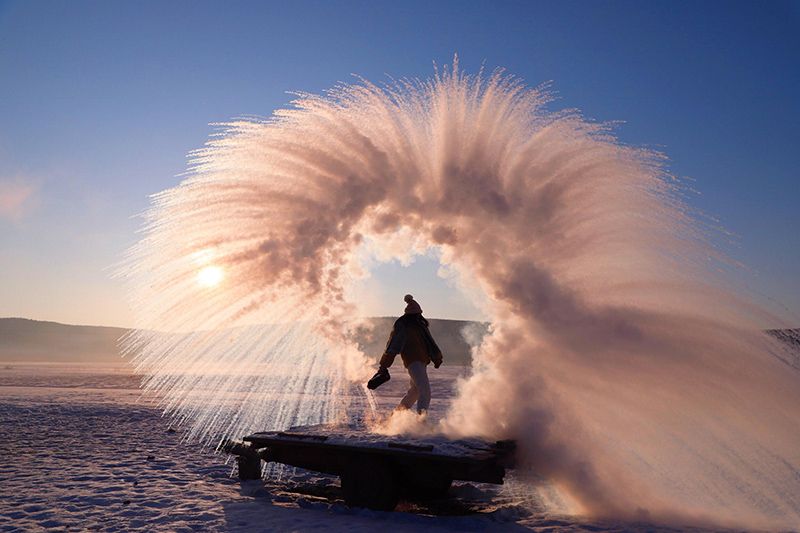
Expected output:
(27, 340)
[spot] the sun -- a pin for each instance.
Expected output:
(209, 276)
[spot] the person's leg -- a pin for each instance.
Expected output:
(419, 376)
(411, 396)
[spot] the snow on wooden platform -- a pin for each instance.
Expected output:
(358, 437)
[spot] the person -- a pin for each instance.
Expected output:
(412, 339)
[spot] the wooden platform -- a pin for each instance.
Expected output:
(376, 469)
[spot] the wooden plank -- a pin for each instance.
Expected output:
(312, 451)
(411, 447)
(321, 438)
(393, 449)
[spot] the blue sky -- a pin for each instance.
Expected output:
(101, 101)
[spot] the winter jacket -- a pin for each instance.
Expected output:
(412, 339)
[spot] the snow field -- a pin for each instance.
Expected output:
(82, 452)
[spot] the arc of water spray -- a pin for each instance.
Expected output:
(620, 359)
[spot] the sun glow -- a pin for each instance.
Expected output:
(210, 276)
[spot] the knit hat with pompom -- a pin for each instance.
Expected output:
(412, 307)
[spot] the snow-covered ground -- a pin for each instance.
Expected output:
(80, 451)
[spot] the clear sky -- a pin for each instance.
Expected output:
(100, 102)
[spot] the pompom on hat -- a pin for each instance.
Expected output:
(412, 307)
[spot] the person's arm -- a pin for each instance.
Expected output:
(436, 353)
(386, 360)
(397, 339)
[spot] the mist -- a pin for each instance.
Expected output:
(628, 366)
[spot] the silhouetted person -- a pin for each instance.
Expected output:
(412, 339)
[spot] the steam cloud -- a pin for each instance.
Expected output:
(629, 371)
